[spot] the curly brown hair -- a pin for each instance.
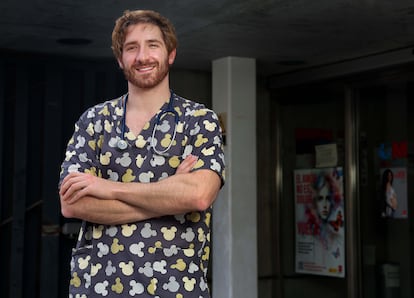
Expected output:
(142, 16)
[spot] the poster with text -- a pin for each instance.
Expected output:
(320, 235)
(393, 192)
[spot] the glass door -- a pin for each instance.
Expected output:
(312, 236)
(386, 122)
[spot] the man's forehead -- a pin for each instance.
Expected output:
(146, 28)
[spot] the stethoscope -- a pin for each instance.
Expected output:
(122, 144)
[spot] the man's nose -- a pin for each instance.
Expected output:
(142, 54)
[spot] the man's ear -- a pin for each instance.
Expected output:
(171, 56)
(121, 65)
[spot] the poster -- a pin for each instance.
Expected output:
(393, 159)
(393, 192)
(319, 214)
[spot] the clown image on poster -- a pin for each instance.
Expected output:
(320, 237)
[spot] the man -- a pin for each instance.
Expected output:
(141, 172)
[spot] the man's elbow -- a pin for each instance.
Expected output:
(205, 199)
(205, 190)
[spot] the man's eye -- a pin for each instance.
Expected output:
(130, 48)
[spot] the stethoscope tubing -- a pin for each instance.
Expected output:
(122, 144)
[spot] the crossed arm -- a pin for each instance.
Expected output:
(103, 201)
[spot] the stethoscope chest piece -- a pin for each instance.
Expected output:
(122, 144)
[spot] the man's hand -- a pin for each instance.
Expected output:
(77, 185)
(187, 165)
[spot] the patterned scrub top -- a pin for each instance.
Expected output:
(160, 257)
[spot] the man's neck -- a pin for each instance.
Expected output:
(148, 99)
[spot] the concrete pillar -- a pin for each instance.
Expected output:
(234, 238)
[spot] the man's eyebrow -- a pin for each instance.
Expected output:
(146, 41)
(130, 42)
(154, 41)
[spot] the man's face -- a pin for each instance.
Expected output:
(145, 60)
(323, 203)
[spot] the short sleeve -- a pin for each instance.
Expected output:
(207, 141)
(81, 151)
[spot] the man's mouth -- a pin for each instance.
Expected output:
(145, 68)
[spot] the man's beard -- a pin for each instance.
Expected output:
(148, 80)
